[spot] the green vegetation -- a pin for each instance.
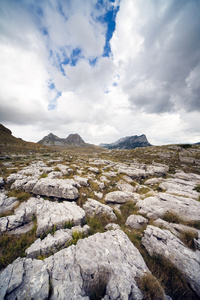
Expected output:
(14, 246)
(197, 188)
(127, 209)
(44, 175)
(98, 223)
(20, 194)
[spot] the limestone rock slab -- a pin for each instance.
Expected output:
(7, 203)
(74, 272)
(164, 243)
(95, 208)
(155, 207)
(59, 188)
(48, 214)
(121, 197)
(136, 221)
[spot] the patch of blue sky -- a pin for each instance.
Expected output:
(93, 61)
(53, 104)
(75, 56)
(109, 18)
(51, 85)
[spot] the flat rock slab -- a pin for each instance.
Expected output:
(156, 207)
(75, 273)
(180, 187)
(121, 197)
(136, 221)
(25, 279)
(53, 243)
(95, 208)
(164, 243)
(59, 188)
(7, 203)
(48, 214)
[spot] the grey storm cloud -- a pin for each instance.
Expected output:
(170, 57)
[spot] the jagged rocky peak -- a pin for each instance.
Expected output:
(75, 139)
(53, 140)
(129, 142)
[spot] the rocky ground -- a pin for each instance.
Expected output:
(121, 224)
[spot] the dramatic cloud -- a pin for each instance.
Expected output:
(103, 68)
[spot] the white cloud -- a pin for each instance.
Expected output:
(149, 84)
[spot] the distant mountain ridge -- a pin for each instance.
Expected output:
(71, 140)
(129, 142)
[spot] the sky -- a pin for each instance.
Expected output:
(104, 69)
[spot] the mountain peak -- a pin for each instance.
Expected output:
(74, 139)
(129, 142)
(53, 140)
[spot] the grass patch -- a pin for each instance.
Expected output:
(98, 223)
(127, 209)
(171, 217)
(44, 175)
(19, 194)
(170, 278)
(150, 287)
(14, 246)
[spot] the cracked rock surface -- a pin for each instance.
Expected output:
(75, 271)
(48, 214)
(162, 242)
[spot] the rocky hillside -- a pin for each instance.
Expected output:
(10, 144)
(129, 142)
(71, 140)
(120, 224)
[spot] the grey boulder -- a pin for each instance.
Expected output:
(136, 221)
(156, 207)
(59, 188)
(95, 208)
(121, 197)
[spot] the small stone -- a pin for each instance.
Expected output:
(136, 221)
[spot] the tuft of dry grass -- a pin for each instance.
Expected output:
(151, 288)
(187, 237)
(20, 194)
(171, 217)
(14, 246)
